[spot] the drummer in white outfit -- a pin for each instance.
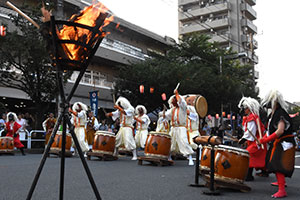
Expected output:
(125, 137)
(142, 124)
(79, 120)
(192, 125)
(178, 115)
(163, 125)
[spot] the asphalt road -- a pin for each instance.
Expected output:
(120, 180)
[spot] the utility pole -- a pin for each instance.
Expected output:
(234, 56)
(221, 73)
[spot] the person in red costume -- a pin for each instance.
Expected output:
(280, 158)
(12, 128)
(252, 125)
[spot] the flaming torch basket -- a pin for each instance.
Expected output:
(73, 52)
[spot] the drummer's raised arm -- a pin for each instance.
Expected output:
(182, 103)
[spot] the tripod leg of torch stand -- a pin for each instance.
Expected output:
(196, 184)
(45, 155)
(212, 190)
(87, 170)
(62, 163)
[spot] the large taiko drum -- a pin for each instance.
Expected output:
(205, 159)
(6, 144)
(231, 164)
(56, 145)
(158, 145)
(199, 102)
(104, 142)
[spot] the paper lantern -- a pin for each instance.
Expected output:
(2, 31)
(228, 116)
(223, 114)
(217, 116)
(141, 88)
(151, 90)
(233, 117)
(163, 96)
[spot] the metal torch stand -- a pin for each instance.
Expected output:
(65, 120)
(212, 190)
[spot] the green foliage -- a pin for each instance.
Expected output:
(195, 63)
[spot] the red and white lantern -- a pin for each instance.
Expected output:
(141, 89)
(217, 116)
(228, 116)
(163, 96)
(2, 31)
(233, 117)
(151, 90)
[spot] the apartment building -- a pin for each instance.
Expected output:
(229, 22)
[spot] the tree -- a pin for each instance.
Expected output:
(195, 63)
(25, 63)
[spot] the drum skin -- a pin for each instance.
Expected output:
(6, 143)
(199, 102)
(158, 145)
(58, 141)
(231, 165)
(104, 142)
(205, 158)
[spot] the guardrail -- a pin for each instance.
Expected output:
(29, 138)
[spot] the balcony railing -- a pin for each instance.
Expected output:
(249, 25)
(217, 8)
(197, 27)
(92, 78)
(249, 11)
(123, 48)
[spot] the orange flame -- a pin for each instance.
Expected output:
(89, 17)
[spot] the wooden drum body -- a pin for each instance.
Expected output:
(231, 164)
(158, 145)
(56, 145)
(6, 145)
(104, 142)
(199, 102)
(205, 159)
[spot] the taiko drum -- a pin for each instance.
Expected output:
(158, 145)
(231, 164)
(205, 159)
(6, 144)
(58, 141)
(104, 142)
(199, 102)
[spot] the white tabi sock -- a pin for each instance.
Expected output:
(191, 162)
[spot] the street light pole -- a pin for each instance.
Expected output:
(221, 73)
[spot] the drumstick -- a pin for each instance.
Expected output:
(104, 111)
(254, 137)
(231, 137)
(22, 14)
(178, 84)
(259, 131)
(114, 99)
